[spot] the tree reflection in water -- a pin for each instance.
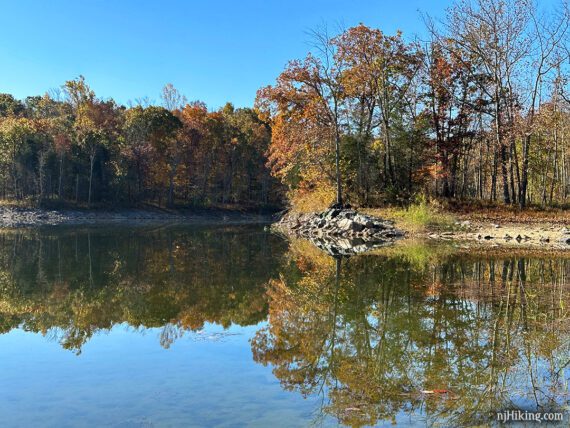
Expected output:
(454, 340)
(370, 334)
(71, 283)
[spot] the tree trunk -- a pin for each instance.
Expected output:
(337, 168)
(76, 188)
(505, 174)
(171, 176)
(91, 165)
(524, 174)
(171, 190)
(42, 163)
(60, 178)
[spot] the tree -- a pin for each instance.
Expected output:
(9, 106)
(452, 99)
(515, 49)
(548, 51)
(14, 134)
(154, 145)
(172, 99)
(306, 108)
(379, 70)
(82, 99)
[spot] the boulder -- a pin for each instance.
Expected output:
(357, 227)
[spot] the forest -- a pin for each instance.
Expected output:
(478, 109)
(75, 148)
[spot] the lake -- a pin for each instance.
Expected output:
(220, 326)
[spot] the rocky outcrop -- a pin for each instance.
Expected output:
(340, 231)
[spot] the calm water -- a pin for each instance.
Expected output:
(228, 327)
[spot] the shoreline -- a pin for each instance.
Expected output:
(14, 218)
(470, 230)
(507, 234)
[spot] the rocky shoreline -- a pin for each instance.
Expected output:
(336, 231)
(510, 235)
(346, 232)
(340, 232)
(26, 217)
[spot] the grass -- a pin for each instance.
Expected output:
(418, 217)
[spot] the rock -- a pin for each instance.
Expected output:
(357, 227)
(359, 218)
(340, 231)
(463, 224)
(333, 213)
(488, 237)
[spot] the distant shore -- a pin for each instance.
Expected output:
(16, 217)
(474, 229)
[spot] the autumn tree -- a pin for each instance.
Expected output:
(95, 124)
(307, 113)
(14, 136)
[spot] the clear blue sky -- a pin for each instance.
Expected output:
(214, 51)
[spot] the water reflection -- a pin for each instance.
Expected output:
(434, 333)
(71, 283)
(450, 342)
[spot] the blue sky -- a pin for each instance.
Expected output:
(214, 51)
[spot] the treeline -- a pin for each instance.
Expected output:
(481, 110)
(74, 147)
